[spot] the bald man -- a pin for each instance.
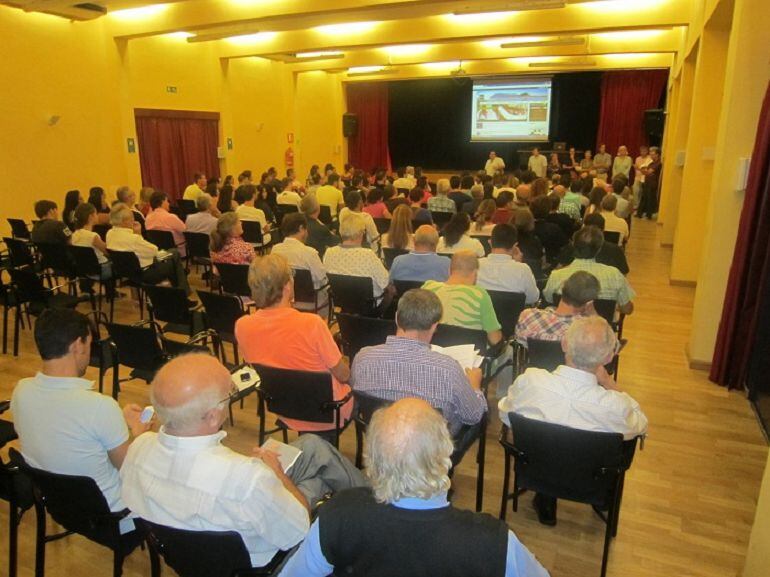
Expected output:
(184, 477)
(402, 525)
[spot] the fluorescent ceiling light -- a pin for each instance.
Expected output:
(553, 41)
(629, 55)
(406, 49)
(181, 35)
(365, 69)
(346, 28)
(139, 13)
(628, 34)
(478, 17)
(560, 64)
(251, 38)
(497, 42)
(505, 7)
(626, 6)
(441, 65)
(320, 54)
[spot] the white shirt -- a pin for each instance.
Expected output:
(357, 261)
(623, 210)
(302, 256)
(494, 166)
(124, 239)
(68, 428)
(83, 237)
(640, 163)
(371, 229)
(289, 197)
(538, 164)
(614, 223)
(499, 272)
(572, 398)
(254, 214)
(203, 222)
(198, 484)
(465, 243)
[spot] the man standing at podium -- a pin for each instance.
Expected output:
(495, 165)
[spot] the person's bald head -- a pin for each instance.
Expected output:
(407, 451)
(523, 193)
(560, 190)
(188, 393)
(464, 262)
(425, 238)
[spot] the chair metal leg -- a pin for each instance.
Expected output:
(506, 483)
(13, 537)
(117, 564)
(5, 329)
(16, 331)
(481, 459)
(154, 561)
(515, 493)
(607, 538)
(285, 433)
(40, 540)
(359, 445)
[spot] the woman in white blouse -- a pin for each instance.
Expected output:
(85, 218)
(456, 237)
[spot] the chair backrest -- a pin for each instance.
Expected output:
(222, 312)
(19, 228)
(566, 463)
(125, 265)
(301, 395)
(450, 335)
(74, 502)
(163, 239)
(304, 290)
(197, 244)
(543, 354)
(252, 231)
(325, 214)
(404, 285)
(29, 286)
(612, 236)
(508, 307)
(358, 332)
(86, 261)
(234, 279)
(138, 347)
(382, 224)
(168, 304)
(282, 210)
(197, 553)
(101, 230)
(485, 242)
(56, 257)
(366, 406)
(353, 294)
(19, 252)
(389, 255)
(186, 206)
(605, 308)
(441, 218)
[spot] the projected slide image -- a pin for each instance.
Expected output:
(511, 110)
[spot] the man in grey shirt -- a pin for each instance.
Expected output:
(602, 159)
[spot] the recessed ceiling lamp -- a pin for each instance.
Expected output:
(561, 64)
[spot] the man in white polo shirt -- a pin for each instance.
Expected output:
(538, 163)
(495, 165)
(65, 426)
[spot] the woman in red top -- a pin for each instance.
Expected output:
(375, 205)
(227, 246)
(277, 335)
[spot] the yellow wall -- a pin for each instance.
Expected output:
(758, 556)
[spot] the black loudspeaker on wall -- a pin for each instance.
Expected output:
(349, 125)
(654, 122)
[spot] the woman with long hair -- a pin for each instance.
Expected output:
(456, 237)
(227, 245)
(400, 234)
(98, 199)
(226, 202)
(484, 213)
(539, 187)
(595, 200)
(71, 201)
(311, 175)
(84, 219)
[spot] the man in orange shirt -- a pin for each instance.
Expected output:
(280, 336)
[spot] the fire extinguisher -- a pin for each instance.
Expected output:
(289, 158)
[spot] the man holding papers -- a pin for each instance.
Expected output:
(405, 366)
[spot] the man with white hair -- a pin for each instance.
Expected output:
(494, 165)
(578, 394)
(205, 220)
(127, 196)
(184, 477)
(405, 525)
(622, 163)
(441, 202)
(422, 263)
(350, 258)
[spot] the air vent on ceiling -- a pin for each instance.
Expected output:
(91, 6)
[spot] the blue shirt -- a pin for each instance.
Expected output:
(420, 266)
(309, 560)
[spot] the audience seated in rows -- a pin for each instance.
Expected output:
(319, 236)
(184, 477)
(483, 218)
(551, 236)
(84, 235)
(245, 196)
(375, 206)
(374, 532)
(588, 242)
(288, 196)
(460, 191)
(503, 270)
(564, 221)
(621, 191)
(205, 220)
(354, 204)
(161, 219)
(441, 202)
(296, 252)
(579, 394)
(127, 196)
(330, 195)
(49, 229)
(550, 324)
(399, 233)
(422, 263)
(227, 244)
(610, 253)
(419, 214)
(529, 244)
(456, 237)
(566, 206)
(503, 212)
(477, 197)
(612, 222)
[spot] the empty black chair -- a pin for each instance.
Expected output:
(485, 242)
(19, 228)
(544, 354)
(20, 252)
(305, 291)
(301, 395)
(163, 239)
(358, 332)
(126, 267)
(77, 504)
(101, 346)
(382, 224)
(325, 214)
(252, 233)
(56, 258)
(169, 305)
(197, 244)
(87, 267)
(612, 236)
(186, 206)
(508, 307)
(282, 210)
(404, 285)
(137, 347)
(234, 279)
(390, 254)
(566, 463)
(366, 405)
(201, 553)
(221, 312)
(353, 294)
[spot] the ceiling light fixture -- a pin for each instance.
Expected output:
(346, 28)
(442, 65)
(553, 41)
(320, 54)
(181, 35)
(629, 34)
(251, 38)
(365, 69)
(406, 49)
(139, 13)
(560, 64)
(504, 7)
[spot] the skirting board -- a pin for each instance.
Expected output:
(696, 364)
(690, 283)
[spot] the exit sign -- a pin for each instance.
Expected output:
(171, 89)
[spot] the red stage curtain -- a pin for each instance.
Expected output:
(174, 145)
(369, 148)
(625, 97)
(750, 267)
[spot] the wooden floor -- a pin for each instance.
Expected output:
(689, 499)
